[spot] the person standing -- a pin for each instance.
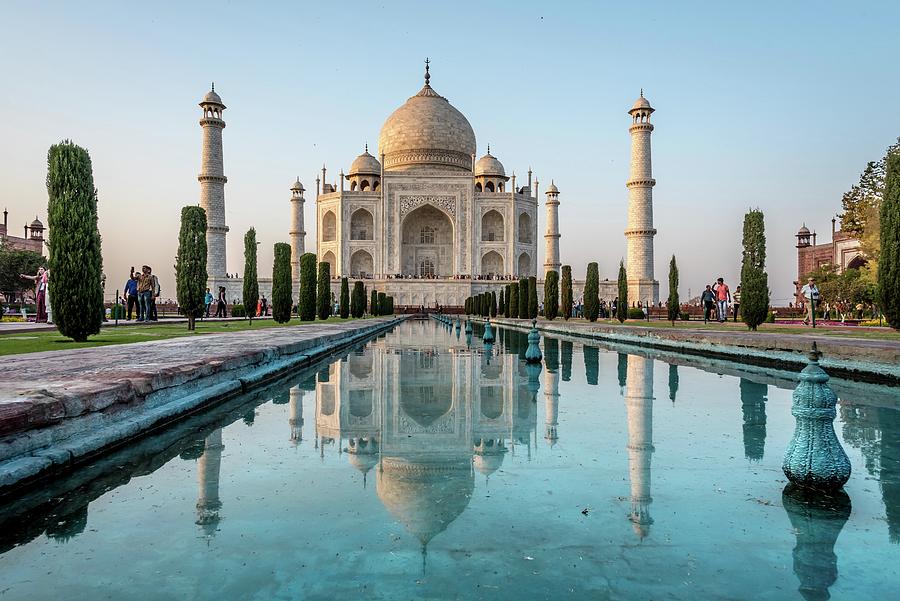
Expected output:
(207, 300)
(265, 306)
(221, 310)
(41, 280)
(131, 296)
(723, 297)
(736, 298)
(145, 293)
(707, 300)
(810, 293)
(155, 290)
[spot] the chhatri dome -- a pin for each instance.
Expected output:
(489, 165)
(427, 131)
(365, 164)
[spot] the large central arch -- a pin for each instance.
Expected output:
(427, 243)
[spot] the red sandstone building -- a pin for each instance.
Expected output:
(33, 239)
(843, 252)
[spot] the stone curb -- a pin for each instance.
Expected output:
(49, 435)
(842, 358)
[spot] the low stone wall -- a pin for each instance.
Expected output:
(62, 408)
(853, 358)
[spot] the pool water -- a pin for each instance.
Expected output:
(423, 465)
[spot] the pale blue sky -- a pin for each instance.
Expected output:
(775, 105)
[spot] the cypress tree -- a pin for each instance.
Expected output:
(532, 298)
(566, 292)
(307, 302)
(390, 305)
(345, 298)
(592, 292)
(373, 303)
(251, 281)
(501, 304)
(551, 294)
(888, 287)
(190, 264)
(358, 304)
(622, 305)
(323, 293)
(523, 298)
(76, 262)
(506, 301)
(674, 304)
(513, 300)
(382, 304)
(281, 283)
(754, 279)
(486, 304)
(494, 302)
(477, 305)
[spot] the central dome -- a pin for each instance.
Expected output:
(427, 132)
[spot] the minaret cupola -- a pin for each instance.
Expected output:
(365, 173)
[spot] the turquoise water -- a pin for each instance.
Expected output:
(420, 466)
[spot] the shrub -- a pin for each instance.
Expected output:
(238, 310)
(566, 292)
(323, 294)
(306, 305)
(115, 312)
(76, 262)
(282, 288)
(345, 298)
(684, 316)
(770, 317)
(551, 294)
(190, 264)
(635, 313)
(592, 293)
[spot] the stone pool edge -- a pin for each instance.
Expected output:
(771, 351)
(26, 460)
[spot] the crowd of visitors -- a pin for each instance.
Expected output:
(140, 293)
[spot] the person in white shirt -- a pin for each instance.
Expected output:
(811, 293)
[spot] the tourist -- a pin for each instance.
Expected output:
(736, 298)
(155, 289)
(131, 295)
(221, 310)
(810, 293)
(207, 300)
(265, 306)
(707, 301)
(723, 297)
(41, 281)
(614, 308)
(145, 293)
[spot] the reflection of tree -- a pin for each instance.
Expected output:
(673, 381)
(753, 406)
(623, 371)
(66, 527)
(566, 353)
(250, 417)
(591, 364)
(551, 353)
(817, 519)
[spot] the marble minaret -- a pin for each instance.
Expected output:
(639, 409)
(212, 185)
(297, 233)
(641, 284)
(551, 262)
(208, 469)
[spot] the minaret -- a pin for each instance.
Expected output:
(551, 262)
(296, 415)
(297, 233)
(208, 467)
(212, 184)
(639, 408)
(640, 232)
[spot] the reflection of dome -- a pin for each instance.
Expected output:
(489, 165)
(363, 461)
(427, 131)
(425, 497)
(488, 464)
(365, 164)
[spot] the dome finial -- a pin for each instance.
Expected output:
(213, 86)
(367, 147)
(489, 149)
(642, 92)
(427, 74)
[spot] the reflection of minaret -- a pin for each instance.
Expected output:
(817, 520)
(208, 467)
(551, 389)
(639, 408)
(753, 405)
(296, 415)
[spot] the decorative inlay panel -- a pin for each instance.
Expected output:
(445, 202)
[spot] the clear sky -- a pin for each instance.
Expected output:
(771, 105)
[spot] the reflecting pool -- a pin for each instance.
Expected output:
(427, 465)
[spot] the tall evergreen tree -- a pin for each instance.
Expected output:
(76, 263)
(864, 199)
(566, 291)
(888, 290)
(622, 305)
(494, 302)
(190, 264)
(477, 307)
(323, 292)
(532, 298)
(754, 280)
(345, 298)
(373, 303)
(674, 303)
(508, 300)
(307, 301)
(523, 298)
(358, 304)
(501, 303)
(382, 304)
(592, 292)
(514, 300)
(251, 280)
(551, 294)
(281, 283)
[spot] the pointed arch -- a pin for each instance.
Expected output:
(525, 229)
(329, 227)
(361, 264)
(362, 225)
(492, 263)
(492, 226)
(524, 265)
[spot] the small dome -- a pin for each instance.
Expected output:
(641, 104)
(552, 189)
(212, 98)
(298, 186)
(365, 164)
(36, 224)
(488, 464)
(489, 165)
(363, 461)
(804, 231)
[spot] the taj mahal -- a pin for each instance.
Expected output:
(427, 221)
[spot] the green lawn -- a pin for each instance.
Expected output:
(34, 342)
